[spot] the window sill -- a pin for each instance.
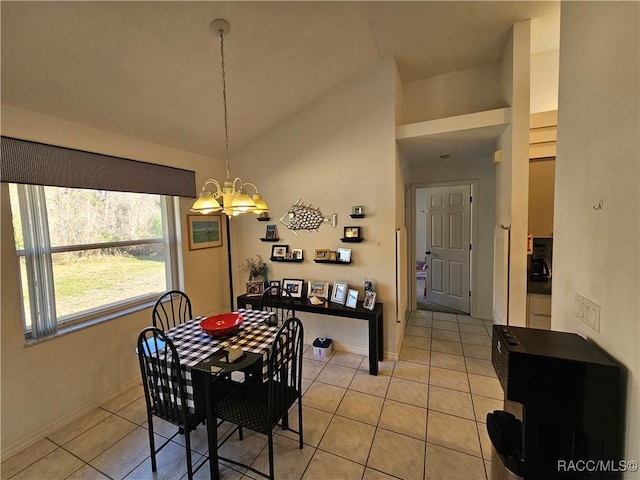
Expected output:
(82, 324)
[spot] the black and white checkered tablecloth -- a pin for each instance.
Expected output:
(194, 345)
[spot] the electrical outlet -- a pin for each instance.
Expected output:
(588, 312)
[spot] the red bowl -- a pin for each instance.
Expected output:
(222, 324)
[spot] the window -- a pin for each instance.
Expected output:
(86, 254)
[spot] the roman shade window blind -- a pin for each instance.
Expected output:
(34, 163)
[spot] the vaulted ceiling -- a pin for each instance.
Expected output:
(151, 70)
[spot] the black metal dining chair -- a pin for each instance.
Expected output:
(165, 390)
(171, 309)
(260, 406)
(278, 301)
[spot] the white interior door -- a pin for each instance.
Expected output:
(448, 244)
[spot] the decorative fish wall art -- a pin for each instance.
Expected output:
(305, 217)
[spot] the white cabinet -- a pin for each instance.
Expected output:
(539, 311)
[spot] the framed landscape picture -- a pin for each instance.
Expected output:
(318, 289)
(205, 231)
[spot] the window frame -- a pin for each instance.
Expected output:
(170, 228)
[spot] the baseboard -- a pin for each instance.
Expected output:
(362, 351)
(58, 423)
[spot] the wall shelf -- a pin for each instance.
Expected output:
(278, 259)
(335, 262)
(357, 215)
(263, 219)
(352, 240)
(270, 239)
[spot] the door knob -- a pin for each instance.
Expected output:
(428, 252)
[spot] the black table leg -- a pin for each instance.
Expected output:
(212, 430)
(373, 347)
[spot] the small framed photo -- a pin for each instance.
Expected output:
(294, 286)
(288, 256)
(297, 253)
(339, 293)
(322, 254)
(318, 289)
(254, 289)
(357, 210)
(271, 232)
(333, 256)
(205, 231)
(351, 232)
(369, 300)
(273, 287)
(352, 298)
(279, 251)
(344, 254)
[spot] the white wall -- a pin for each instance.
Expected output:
(544, 81)
(48, 384)
(512, 174)
(597, 253)
(336, 153)
(482, 171)
(456, 93)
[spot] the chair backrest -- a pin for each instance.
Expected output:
(285, 366)
(279, 301)
(171, 309)
(164, 386)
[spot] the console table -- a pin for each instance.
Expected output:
(374, 317)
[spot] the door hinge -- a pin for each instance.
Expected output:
(470, 247)
(469, 293)
(470, 199)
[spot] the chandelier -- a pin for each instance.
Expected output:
(235, 199)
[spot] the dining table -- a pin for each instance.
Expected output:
(206, 358)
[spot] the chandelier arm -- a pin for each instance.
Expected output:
(213, 181)
(238, 179)
(251, 185)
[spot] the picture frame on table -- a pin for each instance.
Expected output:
(255, 289)
(295, 286)
(352, 298)
(351, 232)
(344, 254)
(333, 255)
(321, 254)
(279, 251)
(205, 231)
(297, 254)
(369, 300)
(357, 210)
(318, 289)
(339, 292)
(273, 286)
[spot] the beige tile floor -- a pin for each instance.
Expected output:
(422, 417)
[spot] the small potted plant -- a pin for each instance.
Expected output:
(254, 267)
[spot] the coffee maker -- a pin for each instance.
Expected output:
(539, 269)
